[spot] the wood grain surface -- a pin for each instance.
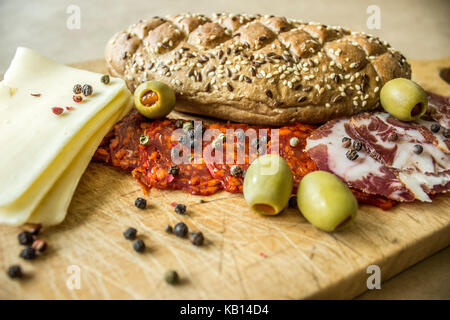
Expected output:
(246, 256)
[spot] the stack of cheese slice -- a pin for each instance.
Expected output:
(42, 154)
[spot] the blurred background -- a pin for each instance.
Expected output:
(419, 29)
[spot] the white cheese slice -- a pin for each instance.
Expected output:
(53, 208)
(19, 211)
(31, 136)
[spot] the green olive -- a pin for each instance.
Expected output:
(404, 99)
(154, 99)
(325, 201)
(268, 184)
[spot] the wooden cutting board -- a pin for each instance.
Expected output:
(246, 256)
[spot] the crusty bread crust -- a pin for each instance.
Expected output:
(257, 69)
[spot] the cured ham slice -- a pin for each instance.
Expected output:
(439, 109)
(439, 140)
(423, 184)
(324, 146)
(394, 143)
(377, 130)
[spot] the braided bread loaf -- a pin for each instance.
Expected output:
(257, 69)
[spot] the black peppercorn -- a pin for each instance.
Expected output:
(130, 233)
(168, 229)
(179, 123)
(352, 155)
(180, 229)
(180, 208)
(139, 245)
(236, 170)
(171, 277)
(435, 127)
(393, 137)
(15, 271)
(87, 90)
(418, 149)
(196, 238)
(77, 88)
(357, 145)
(140, 203)
(105, 79)
(346, 142)
(292, 202)
(174, 170)
(25, 238)
(28, 253)
(446, 133)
